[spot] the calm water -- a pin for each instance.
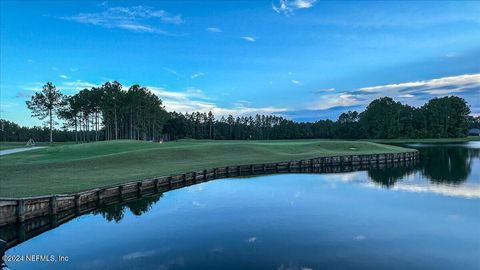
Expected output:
(426, 217)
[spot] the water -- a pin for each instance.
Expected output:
(425, 217)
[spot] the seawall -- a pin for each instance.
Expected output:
(27, 217)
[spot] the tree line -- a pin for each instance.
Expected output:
(446, 117)
(111, 112)
(108, 112)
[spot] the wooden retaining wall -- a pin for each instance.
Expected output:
(24, 209)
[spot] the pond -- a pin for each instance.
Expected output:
(421, 217)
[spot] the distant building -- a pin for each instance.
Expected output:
(474, 132)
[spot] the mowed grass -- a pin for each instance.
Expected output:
(76, 167)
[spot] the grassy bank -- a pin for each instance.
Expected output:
(73, 168)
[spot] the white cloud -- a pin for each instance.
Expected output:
(296, 82)
(251, 239)
(7, 104)
(138, 254)
(247, 38)
(75, 86)
(415, 93)
(324, 90)
(467, 192)
(454, 83)
(451, 55)
(174, 72)
(335, 100)
(128, 18)
(64, 76)
(196, 75)
(288, 7)
(194, 100)
(214, 30)
(359, 237)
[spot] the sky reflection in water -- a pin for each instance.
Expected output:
(408, 218)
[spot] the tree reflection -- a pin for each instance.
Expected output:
(450, 164)
(441, 164)
(387, 177)
(138, 207)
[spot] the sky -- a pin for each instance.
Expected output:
(303, 59)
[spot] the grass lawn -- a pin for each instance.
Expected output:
(75, 167)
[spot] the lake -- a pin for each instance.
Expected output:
(421, 217)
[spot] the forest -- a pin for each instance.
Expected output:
(111, 112)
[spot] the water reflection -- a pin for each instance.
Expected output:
(117, 212)
(441, 164)
(449, 170)
(253, 224)
(450, 164)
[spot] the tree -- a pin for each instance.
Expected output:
(447, 117)
(45, 104)
(381, 119)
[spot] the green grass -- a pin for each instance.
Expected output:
(76, 167)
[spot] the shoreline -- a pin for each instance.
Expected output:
(68, 169)
(19, 210)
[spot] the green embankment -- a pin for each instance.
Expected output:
(73, 168)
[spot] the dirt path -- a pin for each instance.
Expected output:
(18, 150)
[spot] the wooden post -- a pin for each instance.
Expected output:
(264, 168)
(77, 200)
(21, 210)
(120, 192)
(100, 196)
(311, 164)
(139, 188)
(227, 172)
(300, 165)
(276, 167)
(289, 166)
(77, 204)
(204, 175)
(184, 179)
(215, 173)
(53, 205)
(195, 177)
(155, 183)
(252, 169)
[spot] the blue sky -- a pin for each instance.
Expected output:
(303, 59)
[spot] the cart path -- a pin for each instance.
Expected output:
(18, 150)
